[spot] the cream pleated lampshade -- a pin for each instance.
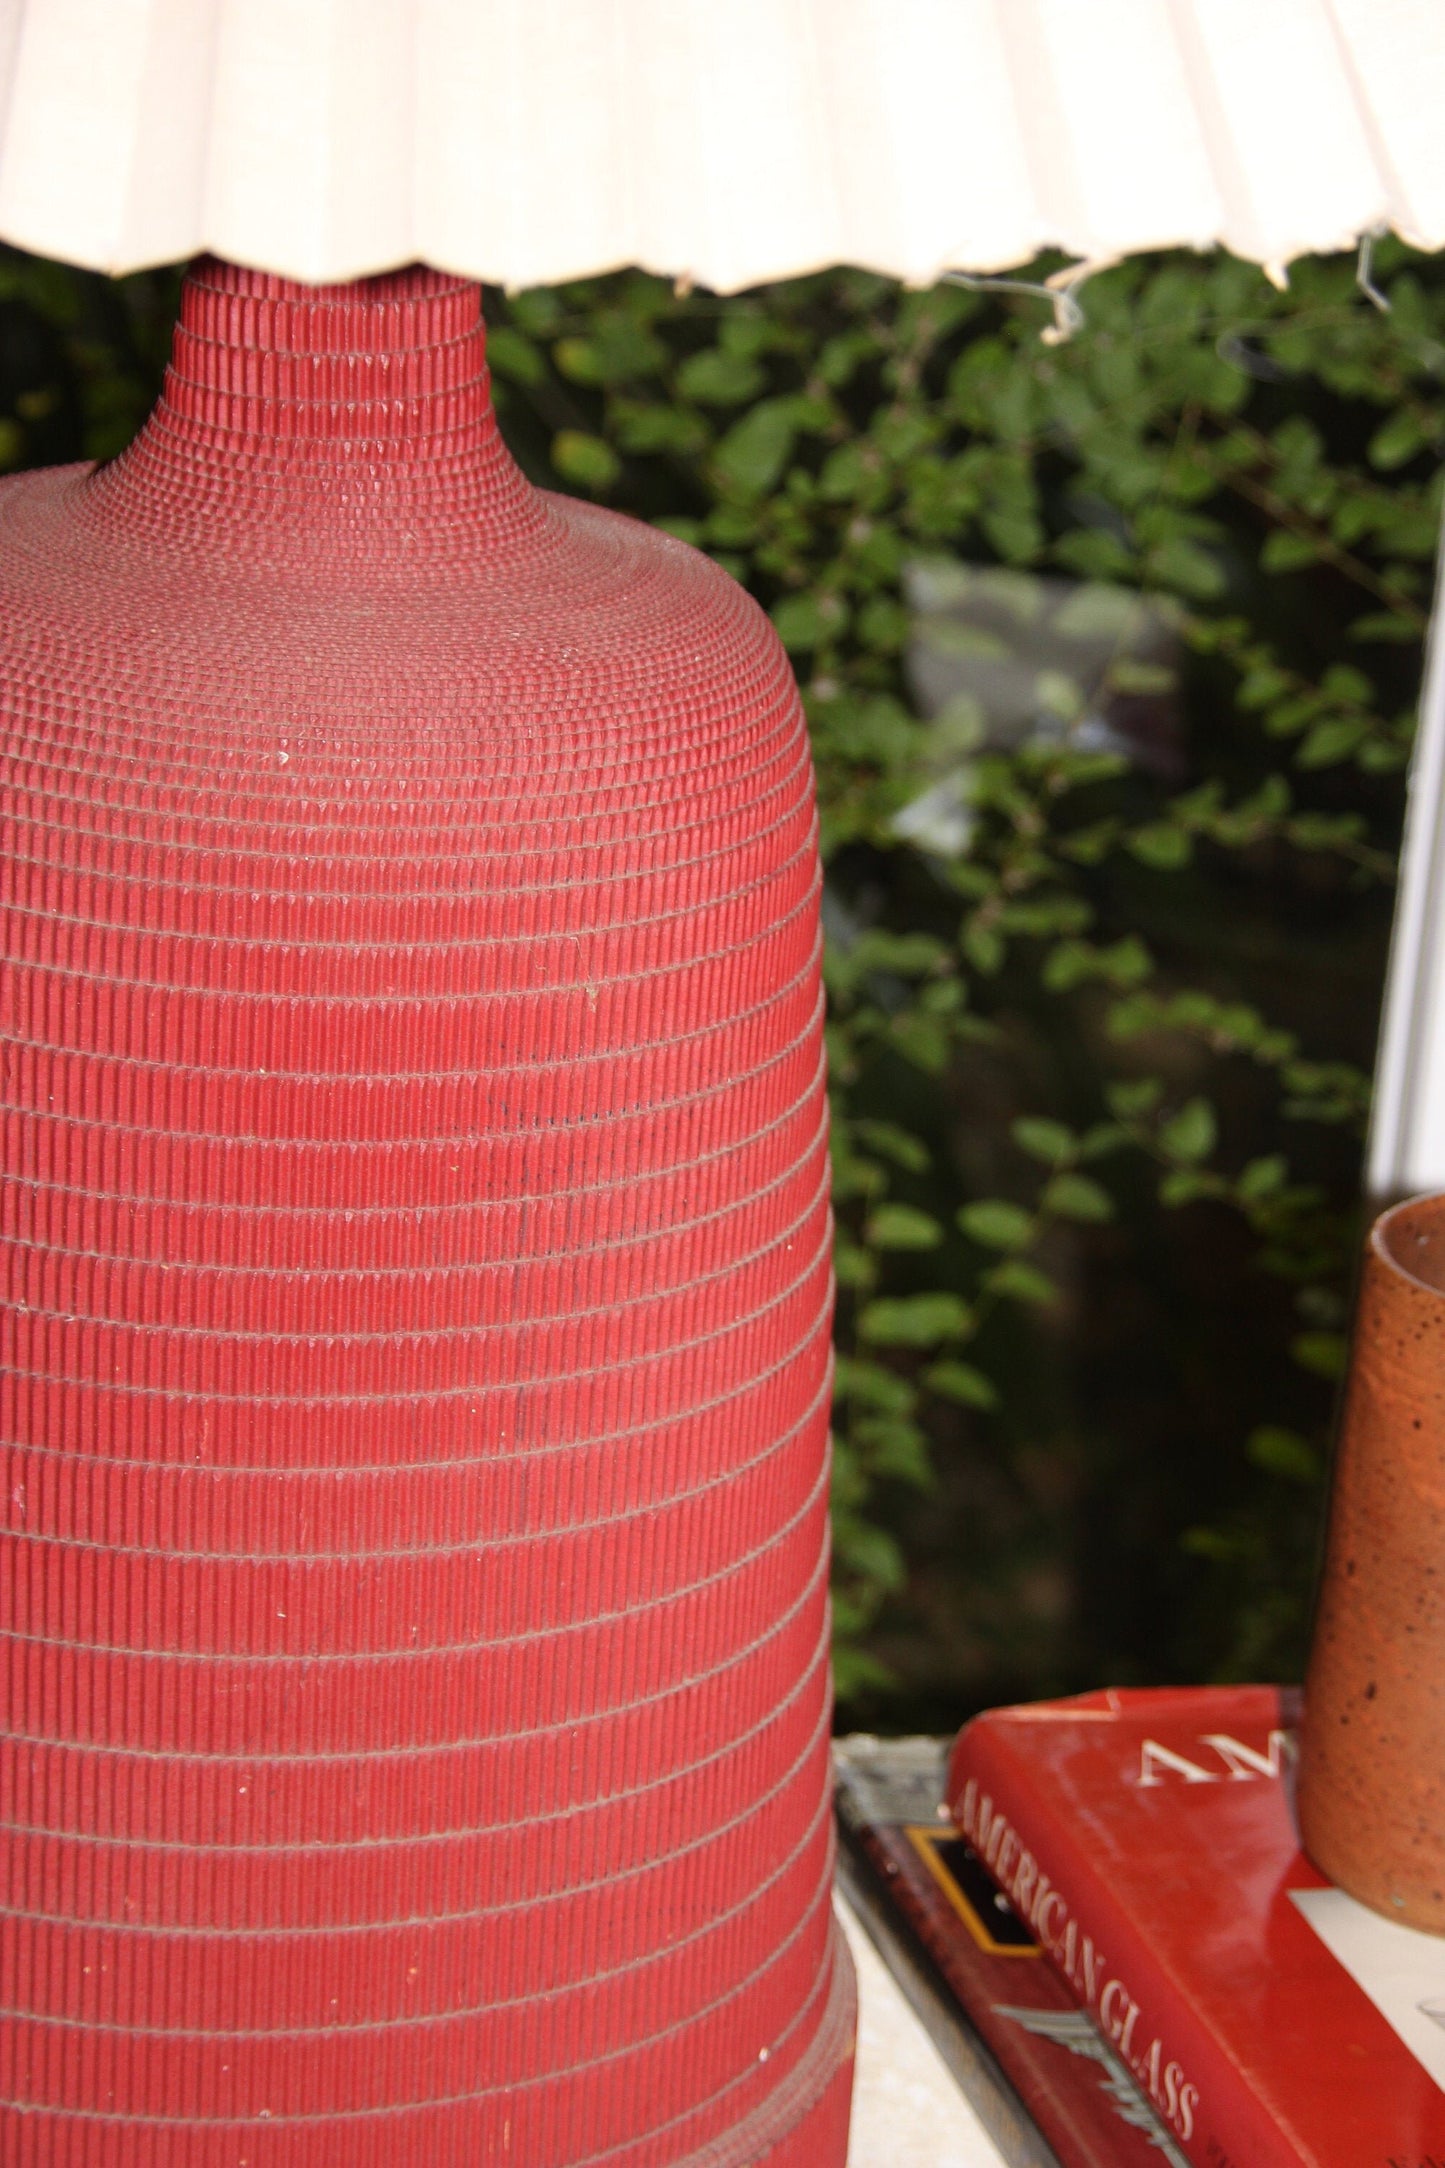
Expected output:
(725, 141)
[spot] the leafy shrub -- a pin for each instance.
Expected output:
(1100, 1026)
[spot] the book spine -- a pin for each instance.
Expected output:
(1043, 1868)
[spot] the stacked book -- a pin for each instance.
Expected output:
(1101, 1911)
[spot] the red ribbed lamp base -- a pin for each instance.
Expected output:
(415, 1231)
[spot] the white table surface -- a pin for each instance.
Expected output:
(907, 2110)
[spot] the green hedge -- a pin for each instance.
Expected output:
(1100, 1037)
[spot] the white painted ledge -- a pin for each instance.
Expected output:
(907, 2110)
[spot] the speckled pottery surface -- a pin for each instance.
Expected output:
(1372, 1767)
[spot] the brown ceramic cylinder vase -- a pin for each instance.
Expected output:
(1372, 1764)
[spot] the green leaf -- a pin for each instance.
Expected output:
(745, 330)
(1190, 1134)
(799, 624)
(1162, 845)
(1261, 686)
(901, 1227)
(1185, 1185)
(753, 454)
(1133, 1097)
(585, 460)
(871, 1386)
(854, 1670)
(914, 1320)
(854, 1176)
(841, 355)
(538, 310)
(1128, 675)
(1182, 564)
(1285, 1453)
(1390, 627)
(894, 1143)
(996, 1224)
(884, 625)
(1134, 1015)
(922, 1040)
(579, 360)
(1015, 531)
(717, 379)
(1327, 1354)
(1075, 1196)
(1215, 1544)
(848, 472)
(1068, 965)
(1042, 1139)
(894, 1448)
(1397, 440)
(1096, 554)
(961, 1382)
(514, 357)
(1331, 741)
(868, 1551)
(639, 427)
(1284, 551)
(983, 946)
(1023, 1281)
(852, 1266)
(1126, 963)
(1263, 1178)
(731, 525)
(627, 348)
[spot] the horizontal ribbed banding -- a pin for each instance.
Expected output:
(414, 1254)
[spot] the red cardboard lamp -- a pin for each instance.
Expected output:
(414, 1213)
(416, 1242)
(415, 1383)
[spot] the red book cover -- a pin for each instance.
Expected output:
(1147, 1840)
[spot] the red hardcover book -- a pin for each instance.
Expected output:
(1147, 1839)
